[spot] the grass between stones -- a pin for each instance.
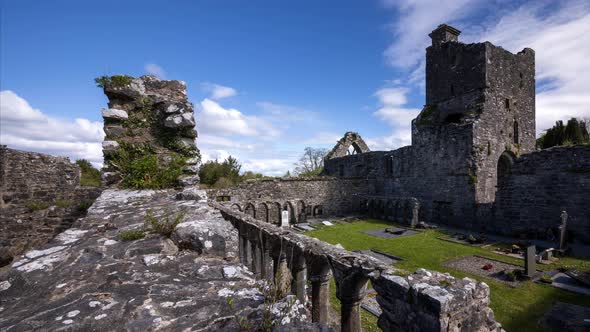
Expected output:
(517, 309)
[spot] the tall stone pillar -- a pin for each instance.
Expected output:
(267, 263)
(299, 283)
(320, 297)
(351, 289)
(247, 252)
(256, 258)
(241, 248)
(350, 313)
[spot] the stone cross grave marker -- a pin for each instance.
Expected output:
(285, 218)
(562, 229)
(529, 261)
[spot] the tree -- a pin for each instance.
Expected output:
(212, 171)
(575, 132)
(311, 162)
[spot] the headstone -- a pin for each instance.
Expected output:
(285, 218)
(529, 261)
(327, 223)
(562, 229)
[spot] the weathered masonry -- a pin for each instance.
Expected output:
(470, 162)
(302, 198)
(35, 181)
(424, 301)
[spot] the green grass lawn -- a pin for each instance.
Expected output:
(518, 309)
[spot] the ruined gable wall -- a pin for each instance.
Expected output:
(540, 186)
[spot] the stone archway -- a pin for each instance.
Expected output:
(288, 206)
(504, 168)
(236, 207)
(274, 213)
(262, 213)
(300, 211)
(250, 209)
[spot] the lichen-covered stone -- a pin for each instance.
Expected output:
(113, 113)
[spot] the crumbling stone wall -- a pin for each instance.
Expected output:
(302, 197)
(152, 116)
(31, 184)
(541, 185)
(423, 301)
(480, 105)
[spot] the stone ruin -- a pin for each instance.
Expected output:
(148, 115)
(40, 196)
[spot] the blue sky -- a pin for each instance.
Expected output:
(267, 78)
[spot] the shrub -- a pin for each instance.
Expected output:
(63, 204)
(140, 167)
(116, 81)
(165, 226)
(83, 206)
(89, 176)
(36, 205)
(131, 235)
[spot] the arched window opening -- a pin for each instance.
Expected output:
(504, 168)
(452, 91)
(507, 103)
(515, 133)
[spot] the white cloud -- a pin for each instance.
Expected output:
(415, 20)
(561, 40)
(218, 91)
(392, 110)
(217, 120)
(23, 127)
(154, 69)
(272, 167)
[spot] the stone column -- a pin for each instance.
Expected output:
(267, 265)
(320, 297)
(350, 313)
(299, 283)
(247, 252)
(257, 259)
(241, 248)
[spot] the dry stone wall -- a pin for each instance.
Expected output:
(147, 115)
(39, 197)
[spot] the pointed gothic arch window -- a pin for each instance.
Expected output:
(515, 133)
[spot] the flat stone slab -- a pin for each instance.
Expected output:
(475, 264)
(563, 281)
(384, 257)
(391, 234)
(566, 317)
(370, 303)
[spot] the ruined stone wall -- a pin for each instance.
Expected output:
(303, 197)
(507, 122)
(27, 176)
(423, 301)
(540, 186)
(148, 116)
(39, 197)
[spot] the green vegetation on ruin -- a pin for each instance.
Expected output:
(518, 309)
(164, 225)
(89, 176)
(36, 205)
(575, 132)
(131, 235)
(141, 168)
(116, 81)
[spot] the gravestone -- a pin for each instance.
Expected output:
(529, 261)
(285, 218)
(562, 230)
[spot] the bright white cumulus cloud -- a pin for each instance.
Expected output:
(218, 91)
(392, 110)
(26, 128)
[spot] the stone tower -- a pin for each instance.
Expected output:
(479, 112)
